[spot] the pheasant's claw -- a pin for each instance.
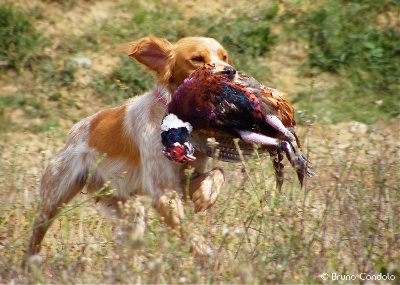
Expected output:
(305, 158)
(297, 159)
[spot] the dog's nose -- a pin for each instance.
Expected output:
(229, 72)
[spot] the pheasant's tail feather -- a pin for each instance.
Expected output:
(278, 166)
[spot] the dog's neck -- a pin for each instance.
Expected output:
(163, 95)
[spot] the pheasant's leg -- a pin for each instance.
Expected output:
(291, 149)
(254, 138)
(275, 122)
(297, 159)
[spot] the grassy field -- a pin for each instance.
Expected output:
(338, 61)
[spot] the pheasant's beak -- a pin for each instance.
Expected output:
(189, 158)
(177, 153)
(227, 71)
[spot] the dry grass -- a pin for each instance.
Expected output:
(345, 221)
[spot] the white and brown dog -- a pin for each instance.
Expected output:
(129, 138)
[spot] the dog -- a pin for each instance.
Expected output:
(122, 147)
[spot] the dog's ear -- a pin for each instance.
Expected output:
(152, 52)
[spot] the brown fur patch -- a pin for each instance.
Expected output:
(108, 135)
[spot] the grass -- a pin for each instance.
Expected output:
(345, 40)
(126, 80)
(355, 59)
(20, 39)
(345, 221)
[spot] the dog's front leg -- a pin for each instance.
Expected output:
(204, 189)
(171, 210)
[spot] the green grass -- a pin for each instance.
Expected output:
(20, 40)
(358, 58)
(126, 80)
(345, 221)
(363, 57)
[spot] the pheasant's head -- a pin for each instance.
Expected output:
(175, 139)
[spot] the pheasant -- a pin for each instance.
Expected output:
(223, 105)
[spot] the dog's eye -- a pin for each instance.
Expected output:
(224, 58)
(198, 59)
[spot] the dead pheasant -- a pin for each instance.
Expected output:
(226, 107)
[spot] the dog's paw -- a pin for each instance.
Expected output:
(131, 223)
(200, 247)
(205, 189)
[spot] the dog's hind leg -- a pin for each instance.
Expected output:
(57, 187)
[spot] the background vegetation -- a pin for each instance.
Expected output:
(339, 62)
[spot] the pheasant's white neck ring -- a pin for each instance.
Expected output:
(160, 97)
(171, 121)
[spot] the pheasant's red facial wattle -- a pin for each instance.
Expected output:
(178, 153)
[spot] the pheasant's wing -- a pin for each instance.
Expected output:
(285, 111)
(230, 107)
(273, 103)
(210, 101)
(271, 100)
(191, 100)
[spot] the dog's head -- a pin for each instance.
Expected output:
(172, 63)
